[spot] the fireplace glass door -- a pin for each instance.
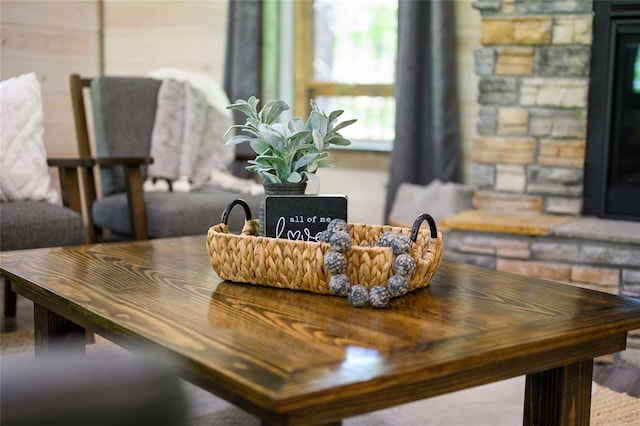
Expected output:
(624, 162)
(612, 166)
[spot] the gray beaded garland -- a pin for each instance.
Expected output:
(339, 285)
(404, 264)
(397, 285)
(337, 225)
(401, 244)
(335, 262)
(386, 238)
(340, 241)
(379, 296)
(358, 295)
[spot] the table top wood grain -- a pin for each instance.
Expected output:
(290, 355)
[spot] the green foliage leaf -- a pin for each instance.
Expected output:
(259, 146)
(318, 140)
(294, 177)
(247, 108)
(339, 140)
(302, 149)
(296, 125)
(343, 125)
(300, 138)
(305, 160)
(270, 178)
(238, 139)
(334, 115)
(243, 108)
(252, 123)
(253, 101)
(312, 179)
(276, 140)
(312, 167)
(317, 121)
(314, 106)
(272, 161)
(326, 163)
(272, 110)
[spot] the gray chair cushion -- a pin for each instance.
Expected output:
(171, 214)
(35, 224)
(124, 110)
(438, 199)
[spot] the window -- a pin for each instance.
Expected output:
(345, 58)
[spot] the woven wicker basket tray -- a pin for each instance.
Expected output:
(299, 265)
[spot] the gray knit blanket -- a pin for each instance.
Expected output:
(187, 139)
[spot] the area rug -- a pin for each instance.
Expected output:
(22, 341)
(494, 404)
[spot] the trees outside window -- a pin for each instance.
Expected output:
(345, 58)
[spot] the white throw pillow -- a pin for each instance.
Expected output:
(24, 174)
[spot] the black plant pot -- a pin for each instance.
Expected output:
(278, 189)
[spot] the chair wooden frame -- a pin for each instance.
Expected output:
(132, 168)
(71, 197)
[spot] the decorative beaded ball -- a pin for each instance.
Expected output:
(358, 295)
(401, 244)
(335, 262)
(340, 241)
(324, 236)
(339, 285)
(397, 285)
(337, 225)
(404, 264)
(386, 238)
(379, 296)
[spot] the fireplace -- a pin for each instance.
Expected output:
(549, 91)
(612, 164)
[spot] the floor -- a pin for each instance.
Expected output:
(620, 379)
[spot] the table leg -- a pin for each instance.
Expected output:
(10, 300)
(54, 333)
(560, 396)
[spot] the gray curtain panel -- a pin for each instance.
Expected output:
(427, 142)
(243, 65)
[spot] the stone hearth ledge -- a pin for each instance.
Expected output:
(503, 223)
(583, 227)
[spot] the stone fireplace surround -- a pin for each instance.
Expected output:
(528, 158)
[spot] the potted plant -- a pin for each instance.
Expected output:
(288, 153)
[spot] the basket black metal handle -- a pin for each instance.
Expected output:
(416, 226)
(236, 202)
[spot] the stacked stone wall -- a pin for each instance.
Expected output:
(605, 265)
(534, 77)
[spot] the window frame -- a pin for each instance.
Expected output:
(305, 86)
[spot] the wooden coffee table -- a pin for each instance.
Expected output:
(296, 358)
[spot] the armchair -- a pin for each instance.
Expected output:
(29, 224)
(30, 213)
(124, 110)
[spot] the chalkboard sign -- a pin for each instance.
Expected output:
(301, 217)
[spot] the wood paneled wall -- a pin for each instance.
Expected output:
(52, 39)
(55, 38)
(140, 36)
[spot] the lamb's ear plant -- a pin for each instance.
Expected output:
(290, 152)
